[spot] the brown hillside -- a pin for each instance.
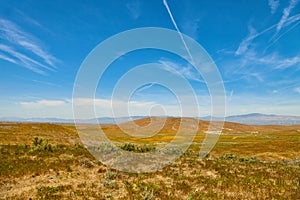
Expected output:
(171, 125)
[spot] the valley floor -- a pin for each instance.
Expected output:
(44, 166)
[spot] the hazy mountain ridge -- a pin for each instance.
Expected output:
(102, 120)
(261, 119)
(252, 118)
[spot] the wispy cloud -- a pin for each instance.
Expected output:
(4, 57)
(108, 107)
(45, 102)
(229, 98)
(286, 13)
(244, 45)
(273, 5)
(134, 9)
(28, 19)
(108, 103)
(297, 89)
(278, 62)
(253, 34)
(187, 71)
(274, 60)
(255, 66)
(288, 62)
(257, 75)
(177, 29)
(293, 20)
(46, 83)
(23, 60)
(251, 54)
(279, 36)
(19, 41)
(191, 27)
(144, 87)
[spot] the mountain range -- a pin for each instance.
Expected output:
(253, 118)
(258, 119)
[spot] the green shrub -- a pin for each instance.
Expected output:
(23, 146)
(147, 194)
(41, 145)
(47, 192)
(37, 141)
(110, 175)
(229, 157)
(252, 159)
(110, 184)
(137, 148)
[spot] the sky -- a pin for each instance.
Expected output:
(255, 46)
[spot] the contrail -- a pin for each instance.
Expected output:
(286, 13)
(280, 36)
(144, 87)
(177, 29)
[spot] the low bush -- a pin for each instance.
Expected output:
(137, 148)
(41, 145)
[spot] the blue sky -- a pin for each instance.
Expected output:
(255, 45)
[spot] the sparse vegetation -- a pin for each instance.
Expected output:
(41, 145)
(137, 148)
(47, 192)
(68, 171)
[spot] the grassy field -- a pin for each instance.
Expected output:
(48, 161)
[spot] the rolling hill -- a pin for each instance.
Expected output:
(253, 119)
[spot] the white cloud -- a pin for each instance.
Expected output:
(187, 71)
(28, 19)
(229, 97)
(9, 59)
(250, 56)
(45, 83)
(236, 104)
(23, 60)
(120, 108)
(107, 103)
(257, 75)
(288, 62)
(297, 89)
(273, 5)
(292, 19)
(191, 27)
(286, 13)
(144, 87)
(45, 102)
(134, 9)
(252, 35)
(88, 107)
(25, 42)
(244, 45)
(274, 60)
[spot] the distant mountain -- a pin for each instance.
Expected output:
(40, 120)
(109, 120)
(262, 119)
(258, 119)
(253, 118)
(101, 120)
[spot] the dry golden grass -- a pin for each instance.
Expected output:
(22, 133)
(246, 163)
